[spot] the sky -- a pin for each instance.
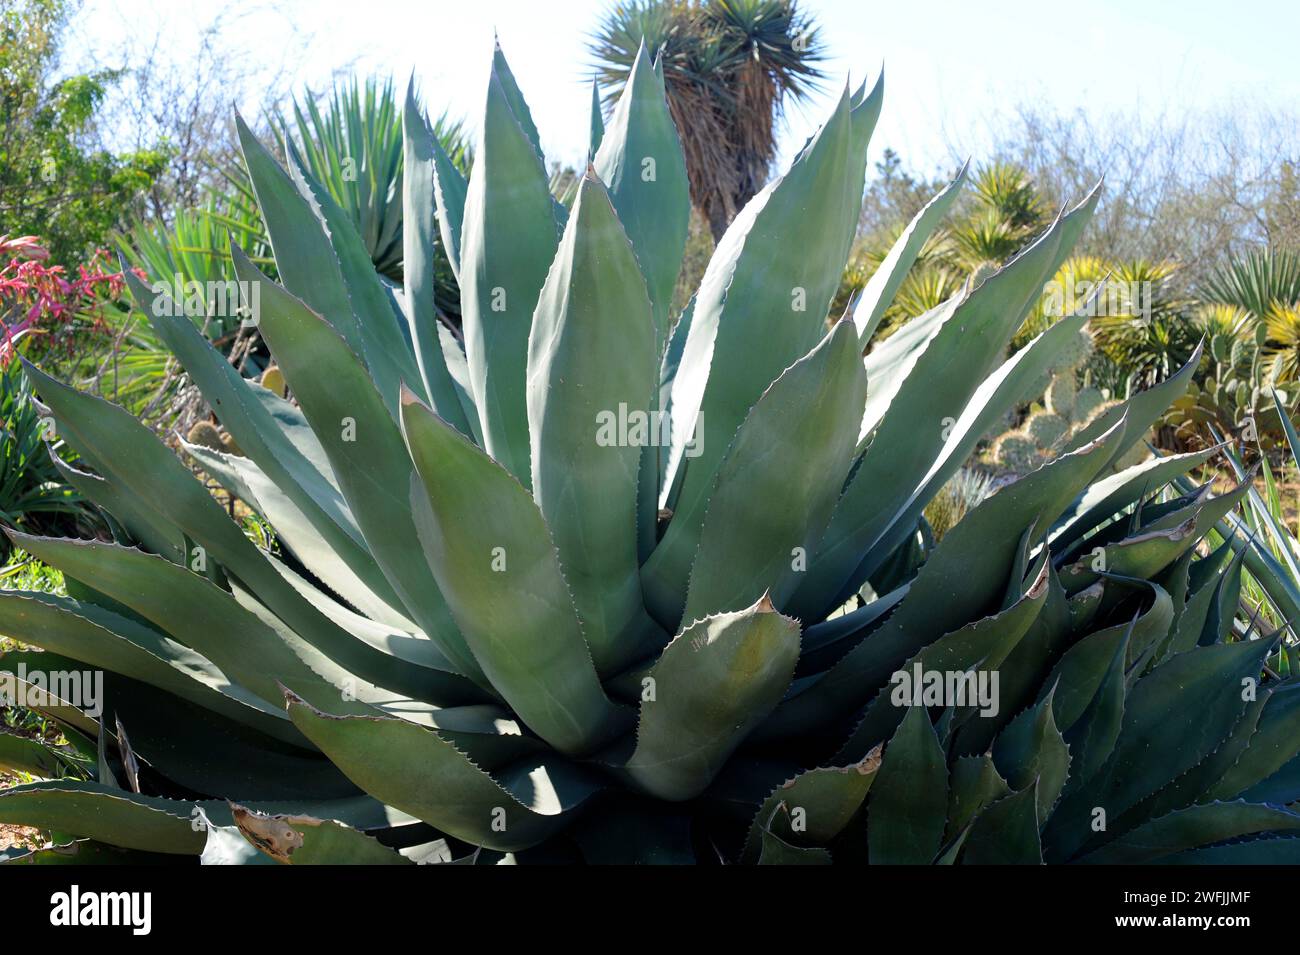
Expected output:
(950, 65)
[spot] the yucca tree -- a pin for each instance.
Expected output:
(1002, 213)
(501, 622)
(1256, 281)
(729, 67)
(1265, 284)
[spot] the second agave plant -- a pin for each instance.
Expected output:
(509, 618)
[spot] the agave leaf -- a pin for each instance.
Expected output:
(910, 426)
(21, 754)
(1173, 580)
(114, 816)
(108, 641)
(1115, 492)
(824, 643)
(304, 259)
(1141, 410)
(806, 409)
(597, 120)
(964, 579)
(76, 725)
(1292, 439)
(909, 801)
(267, 428)
(155, 824)
(226, 845)
(81, 852)
(294, 530)
(999, 392)
(1274, 743)
(415, 770)
(514, 99)
(1223, 605)
(1275, 579)
(1192, 827)
(387, 354)
(202, 751)
(1281, 788)
(641, 162)
(976, 647)
(812, 808)
(864, 112)
(131, 456)
(808, 414)
(1282, 850)
(492, 553)
(759, 308)
(1197, 784)
(444, 684)
(450, 188)
(419, 185)
(366, 451)
(975, 783)
(458, 367)
(1155, 545)
(1021, 673)
(672, 361)
(204, 617)
(508, 241)
(144, 524)
(1161, 737)
(1143, 635)
(1006, 833)
(776, 851)
(593, 325)
(180, 603)
(304, 840)
(953, 849)
(1205, 572)
(986, 316)
(1185, 632)
(1031, 753)
(1092, 734)
(878, 293)
(719, 678)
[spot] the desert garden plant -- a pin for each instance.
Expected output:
(509, 620)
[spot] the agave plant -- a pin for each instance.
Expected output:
(354, 149)
(1265, 530)
(507, 622)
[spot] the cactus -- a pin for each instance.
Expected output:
(1064, 410)
(273, 380)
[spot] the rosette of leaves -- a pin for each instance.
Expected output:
(490, 633)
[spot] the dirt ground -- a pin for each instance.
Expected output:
(11, 836)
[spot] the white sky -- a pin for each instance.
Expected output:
(949, 64)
